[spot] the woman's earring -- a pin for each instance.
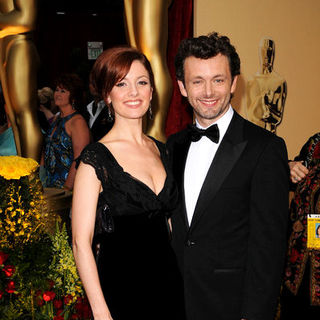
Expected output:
(73, 105)
(110, 117)
(150, 112)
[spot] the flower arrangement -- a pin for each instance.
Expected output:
(21, 202)
(38, 276)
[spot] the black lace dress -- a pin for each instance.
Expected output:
(136, 264)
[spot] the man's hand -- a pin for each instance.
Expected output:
(297, 171)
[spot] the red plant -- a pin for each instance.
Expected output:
(48, 296)
(57, 304)
(9, 270)
(11, 287)
(3, 257)
(67, 299)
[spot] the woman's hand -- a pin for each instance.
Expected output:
(103, 317)
(297, 171)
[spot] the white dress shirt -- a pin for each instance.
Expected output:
(100, 105)
(199, 159)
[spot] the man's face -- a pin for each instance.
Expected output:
(208, 86)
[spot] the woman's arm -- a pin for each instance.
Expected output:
(79, 132)
(84, 204)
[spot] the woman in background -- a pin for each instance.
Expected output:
(68, 133)
(301, 294)
(7, 142)
(126, 175)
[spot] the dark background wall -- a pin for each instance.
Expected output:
(65, 26)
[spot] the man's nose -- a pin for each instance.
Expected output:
(209, 89)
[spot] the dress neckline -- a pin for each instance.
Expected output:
(133, 177)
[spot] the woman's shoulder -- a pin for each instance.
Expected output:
(77, 123)
(93, 154)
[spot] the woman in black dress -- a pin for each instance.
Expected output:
(131, 272)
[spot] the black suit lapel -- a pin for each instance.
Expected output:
(180, 153)
(226, 157)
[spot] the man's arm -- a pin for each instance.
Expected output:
(267, 238)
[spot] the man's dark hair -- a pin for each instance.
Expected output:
(205, 47)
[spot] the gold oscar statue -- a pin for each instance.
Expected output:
(266, 91)
(18, 73)
(147, 29)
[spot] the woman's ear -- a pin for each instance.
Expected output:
(107, 100)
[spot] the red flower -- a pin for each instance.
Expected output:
(3, 257)
(67, 299)
(48, 295)
(9, 270)
(58, 318)
(75, 316)
(57, 304)
(86, 311)
(1, 294)
(10, 287)
(79, 305)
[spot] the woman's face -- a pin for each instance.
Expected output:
(131, 96)
(61, 97)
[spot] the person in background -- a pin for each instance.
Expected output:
(98, 116)
(7, 143)
(47, 109)
(233, 177)
(124, 194)
(301, 293)
(68, 133)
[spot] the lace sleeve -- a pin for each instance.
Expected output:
(91, 155)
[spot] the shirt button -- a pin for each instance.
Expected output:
(190, 243)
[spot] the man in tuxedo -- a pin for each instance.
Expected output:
(230, 232)
(98, 117)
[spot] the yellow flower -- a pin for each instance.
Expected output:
(15, 167)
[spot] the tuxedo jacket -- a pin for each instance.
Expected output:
(232, 254)
(101, 125)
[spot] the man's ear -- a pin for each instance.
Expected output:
(234, 84)
(182, 88)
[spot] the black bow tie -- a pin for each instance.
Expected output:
(196, 133)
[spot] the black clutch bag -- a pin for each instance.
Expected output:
(104, 220)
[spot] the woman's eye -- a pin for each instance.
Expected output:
(120, 84)
(143, 82)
